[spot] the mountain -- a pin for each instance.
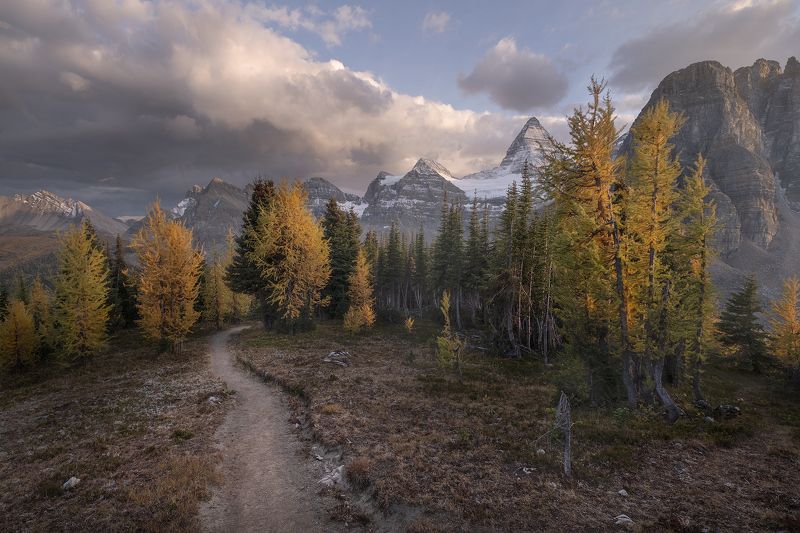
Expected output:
(320, 190)
(45, 211)
(29, 226)
(491, 185)
(746, 123)
(414, 199)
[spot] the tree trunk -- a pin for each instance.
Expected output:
(628, 379)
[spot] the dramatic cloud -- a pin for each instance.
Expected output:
(516, 79)
(331, 27)
(734, 34)
(115, 102)
(436, 22)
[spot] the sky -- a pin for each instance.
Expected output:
(115, 102)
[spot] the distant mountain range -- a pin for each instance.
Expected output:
(745, 122)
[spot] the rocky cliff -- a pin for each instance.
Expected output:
(747, 125)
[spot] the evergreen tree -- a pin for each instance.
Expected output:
(343, 233)
(421, 273)
(41, 312)
(740, 327)
(168, 280)
(17, 336)
(476, 261)
(3, 300)
(21, 292)
(785, 321)
(360, 314)
(243, 275)
(292, 255)
(81, 295)
(121, 291)
(240, 302)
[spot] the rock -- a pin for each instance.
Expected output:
(339, 357)
(540, 451)
(71, 483)
(623, 493)
(320, 191)
(334, 477)
(727, 411)
(702, 404)
(708, 420)
(318, 457)
(213, 400)
(623, 520)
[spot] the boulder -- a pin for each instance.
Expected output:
(338, 357)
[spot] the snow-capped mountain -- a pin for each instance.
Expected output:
(46, 211)
(413, 200)
(320, 190)
(491, 185)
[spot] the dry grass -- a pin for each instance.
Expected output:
(466, 453)
(133, 425)
(358, 472)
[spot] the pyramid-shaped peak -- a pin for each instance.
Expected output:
(429, 166)
(527, 146)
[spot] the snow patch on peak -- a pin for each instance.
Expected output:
(429, 166)
(47, 202)
(183, 205)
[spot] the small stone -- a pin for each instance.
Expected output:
(213, 399)
(728, 411)
(623, 520)
(708, 420)
(552, 485)
(71, 483)
(338, 357)
(318, 457)
(540, 451)
(334, 477)
(623, 493)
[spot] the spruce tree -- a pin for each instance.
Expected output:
(243, 275)
(421, 270)
(21, 292)
(81, 295)
(3, 300)
(41, 311)
(476, 261)
(343, 233)
(121, 290)
(168, 279)
(740, 327)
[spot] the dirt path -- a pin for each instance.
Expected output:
(267, 485)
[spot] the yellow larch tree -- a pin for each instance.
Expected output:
(217, 297)
(170, 268)
(17, 336)
(292, 255)
(360, 314)
(785, 321)
(81, 307)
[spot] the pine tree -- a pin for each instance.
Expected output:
(360, 314)
(17, 336)
(3, 300)
(243, 275)
(421, 274)
(292, 255)
(740, 327)
(168, 279)
(476, 261)
(41, 312)
(81, 295)
(785, 321)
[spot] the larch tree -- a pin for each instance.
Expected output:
(740, 327)
(217, 297)
(81, 307)
(785, 322)
(168, 278)
(292, 255)
(240, 301)
(360, 313)
(17, 336)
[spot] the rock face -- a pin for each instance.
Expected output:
(320, 190)
(48, 212)
(747, 125)
(413, 200)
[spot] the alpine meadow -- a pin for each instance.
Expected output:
(597, 329)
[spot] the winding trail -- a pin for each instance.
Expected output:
(267, 484)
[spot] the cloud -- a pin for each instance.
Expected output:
(161, 95)
(734, 33)
(516, 79)
(331, 27)
(436, 21)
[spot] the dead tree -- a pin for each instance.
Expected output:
(564, 422)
